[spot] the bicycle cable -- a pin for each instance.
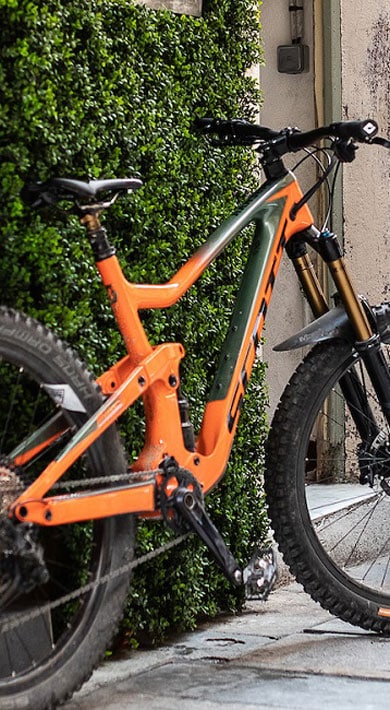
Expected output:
(331, 199)
(312, 153)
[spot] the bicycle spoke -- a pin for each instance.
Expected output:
(353, 530)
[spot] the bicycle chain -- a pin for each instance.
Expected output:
(23, 618)
(90, 586)
(84, 482)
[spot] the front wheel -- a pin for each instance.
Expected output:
(333, 531)
(51, 637)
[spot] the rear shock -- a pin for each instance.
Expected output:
(186, 424)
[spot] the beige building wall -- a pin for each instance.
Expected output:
(366, 183)
(355, 84)
(288, 101)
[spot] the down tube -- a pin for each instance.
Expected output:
(239, 350)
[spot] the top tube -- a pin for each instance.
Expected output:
(165, 295)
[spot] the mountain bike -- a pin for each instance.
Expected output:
(69, 497)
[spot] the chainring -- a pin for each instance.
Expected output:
(176, 478)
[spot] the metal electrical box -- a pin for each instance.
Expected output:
(293, 58)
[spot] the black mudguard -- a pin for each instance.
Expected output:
(335, 324)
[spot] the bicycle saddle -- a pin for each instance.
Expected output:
(52, 191)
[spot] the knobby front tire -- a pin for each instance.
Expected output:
(44, 660)
(340, 551)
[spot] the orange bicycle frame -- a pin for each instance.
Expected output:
(153, 372)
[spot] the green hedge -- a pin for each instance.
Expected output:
(100, 89)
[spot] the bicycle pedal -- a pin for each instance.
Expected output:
(260, 574)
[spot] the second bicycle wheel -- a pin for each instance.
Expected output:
(51, 637)
(333, 531)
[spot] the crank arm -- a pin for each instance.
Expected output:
(197, 518)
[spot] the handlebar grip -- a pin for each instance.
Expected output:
(31, 194)
(204, 125)
(362, 131)
(358, 130)
(223, 127)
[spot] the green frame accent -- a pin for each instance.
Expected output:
(255, 209)
(251, 280)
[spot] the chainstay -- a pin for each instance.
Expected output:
(90, 586)
(128, 477)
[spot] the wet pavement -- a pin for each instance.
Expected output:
(286, 653)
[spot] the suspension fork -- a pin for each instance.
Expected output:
(367, 342)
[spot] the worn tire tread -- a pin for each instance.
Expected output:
(285, 519)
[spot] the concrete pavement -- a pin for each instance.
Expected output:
(286, 653)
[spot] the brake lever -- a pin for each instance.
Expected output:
(381, 141)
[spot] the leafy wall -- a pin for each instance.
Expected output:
(101, 89)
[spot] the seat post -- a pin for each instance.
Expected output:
(97, 235)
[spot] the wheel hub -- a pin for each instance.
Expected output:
(374, 462)
(22, 565)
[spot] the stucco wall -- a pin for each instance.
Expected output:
(365, 90)
(366, 183)
(288, 100)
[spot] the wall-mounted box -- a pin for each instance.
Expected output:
(293, 58)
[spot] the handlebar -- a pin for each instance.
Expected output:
(360, 131)
(289, 140)
(244, 132)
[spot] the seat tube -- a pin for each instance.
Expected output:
(119, 290)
